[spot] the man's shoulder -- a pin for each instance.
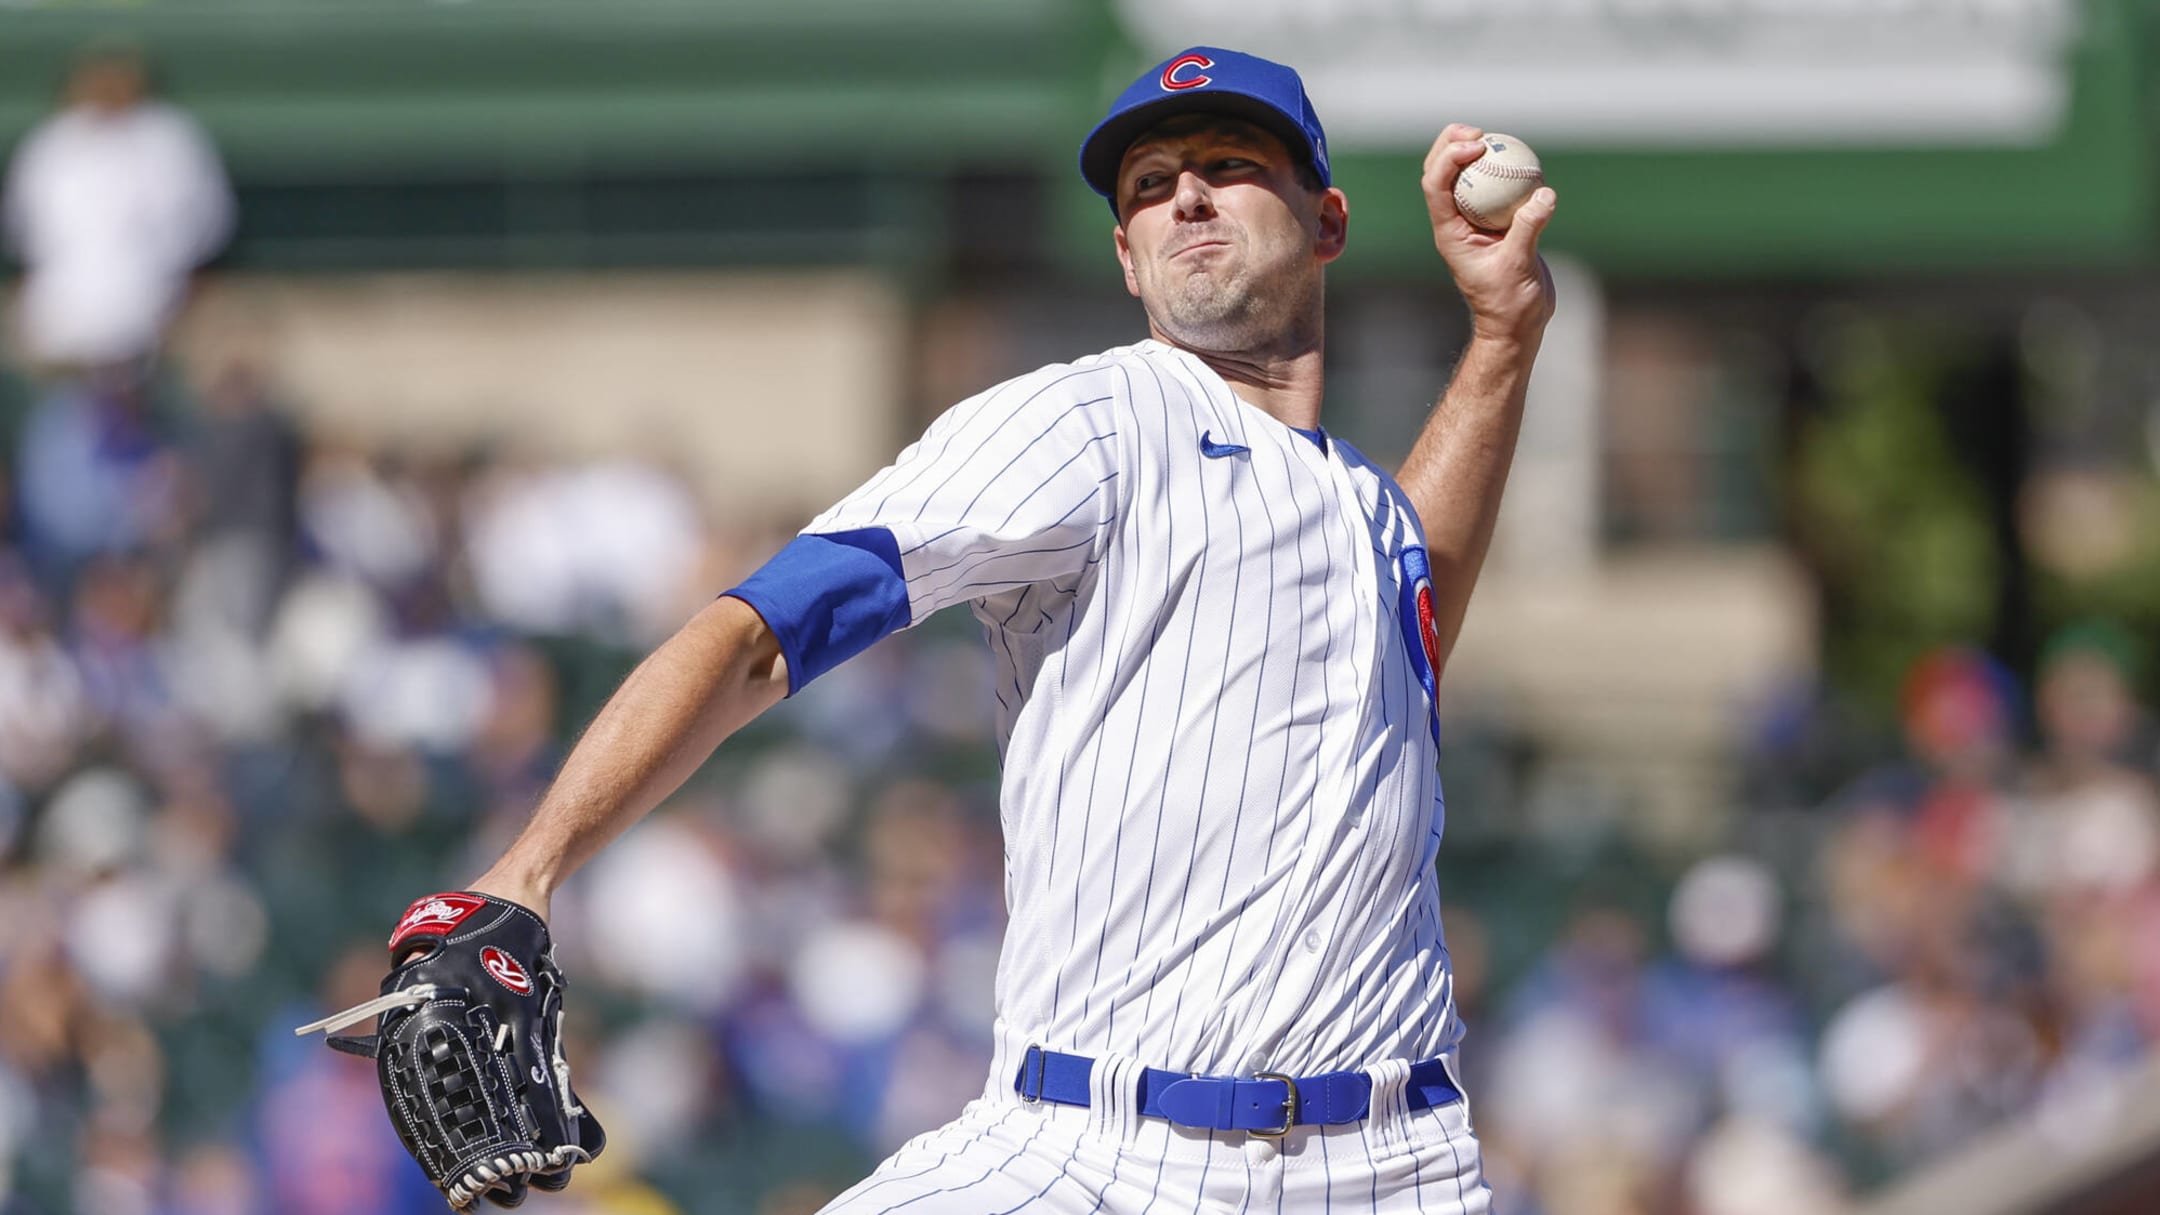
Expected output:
(1354, 459)
(1057, 388)
(1102, 376)
(71, 130)
(164, 120)
(50, 132)
(1389, 492)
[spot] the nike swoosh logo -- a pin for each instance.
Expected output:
(1216, 451)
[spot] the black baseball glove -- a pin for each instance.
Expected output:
(469, 1051)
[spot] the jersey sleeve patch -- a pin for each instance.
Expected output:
(1421, 633)
(829, 596)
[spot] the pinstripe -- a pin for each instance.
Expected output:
(1103, 674)
(975, 559)
(872, 1183)
(987, 1173)
(1229, 635)
(1327, 1174)
(1319, 751)
(1103, 1196)
(1372, 858)
(1245, 776)
(1282, 778)
(1192, 627)
(1063, 1171)
(1025, 448)
(1117, 846)
(964, 418)
(1025, 580)
(1372, 1201)
(1057, 803)
(1245, 1203)
(1455, 1154)
(1048, 480)
(1367, 857)
(1052, 525)
(1374, 983)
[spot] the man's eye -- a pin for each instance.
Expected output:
(1148, 181)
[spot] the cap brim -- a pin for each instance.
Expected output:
(1103, 153)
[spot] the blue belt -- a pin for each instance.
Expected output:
(1267, 1105)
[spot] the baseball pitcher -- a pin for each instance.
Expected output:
(1218, 630)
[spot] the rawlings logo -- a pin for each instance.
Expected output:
(505, 970)
(1172, 84)
(435, 915)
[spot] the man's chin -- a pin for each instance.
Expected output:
(1209, 308)
(1215, 332)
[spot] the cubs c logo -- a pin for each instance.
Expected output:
(504, 970)
(1428, 632)
(1421, 632)
(435, 915)
(1171, 83)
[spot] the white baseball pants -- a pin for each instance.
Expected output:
(1003, 1157)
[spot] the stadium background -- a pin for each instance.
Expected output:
(1803, 853)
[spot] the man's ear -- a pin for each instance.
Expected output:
(1124, 257)
(1331, 230)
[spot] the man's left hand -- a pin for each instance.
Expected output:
(1502, 278)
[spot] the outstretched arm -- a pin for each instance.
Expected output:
(711, 678)
(1459, 465)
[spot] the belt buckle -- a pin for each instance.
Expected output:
(1041, 1059)
(1290, 1106)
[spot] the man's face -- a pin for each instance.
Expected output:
(109, 84)
(1219, 239)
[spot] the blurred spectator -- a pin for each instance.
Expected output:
(1960, 725)
(366, 521)
(215, 1179)
(97, 479)
(326, 1146)
(601, 548)
(116, 636)
(111, 203)
(245, 465)
(2090, 821)
(1718, 1013)
(1578, 1090)
(44, 709)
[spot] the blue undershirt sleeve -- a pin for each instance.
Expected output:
(828, 597)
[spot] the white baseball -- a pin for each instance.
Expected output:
(1491, 187)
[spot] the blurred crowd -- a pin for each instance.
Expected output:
(1890, 961)
(259, 688)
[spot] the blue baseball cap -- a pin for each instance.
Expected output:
(1207, 78)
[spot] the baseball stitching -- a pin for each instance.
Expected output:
(1502, 172)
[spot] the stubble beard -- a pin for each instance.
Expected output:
(1213, 311)
(1226, 306)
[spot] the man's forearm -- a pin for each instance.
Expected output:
(712, 677)
(1459, 465)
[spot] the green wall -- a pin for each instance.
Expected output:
(541, 132)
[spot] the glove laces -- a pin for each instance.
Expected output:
(419, 993)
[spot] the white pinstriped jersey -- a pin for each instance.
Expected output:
(1219, 794)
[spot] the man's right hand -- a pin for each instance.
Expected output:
(1501, 277)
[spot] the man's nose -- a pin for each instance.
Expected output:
(1193, 201)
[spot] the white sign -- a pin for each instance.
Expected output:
(1386, 73)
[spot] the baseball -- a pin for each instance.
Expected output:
(1495, 184)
